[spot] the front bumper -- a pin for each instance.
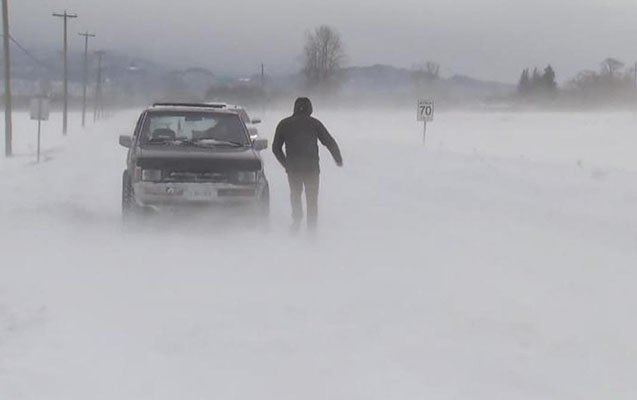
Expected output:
(173, 194)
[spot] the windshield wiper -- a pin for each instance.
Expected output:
(186, 142)
(214, 142)
(159, 141)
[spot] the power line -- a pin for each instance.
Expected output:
(29, 54)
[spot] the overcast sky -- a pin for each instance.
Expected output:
(490, 39)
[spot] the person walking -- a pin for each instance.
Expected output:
(300, 134)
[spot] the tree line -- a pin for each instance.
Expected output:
(536, 83)
(611, 83)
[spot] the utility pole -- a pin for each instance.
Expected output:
(66, 16)
(262, 90)
(85, 74)
(98, 86)
(8, 133)
(635, 87)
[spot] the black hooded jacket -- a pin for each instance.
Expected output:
(300, 134)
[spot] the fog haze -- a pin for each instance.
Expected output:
(491, 39)
(485, 253)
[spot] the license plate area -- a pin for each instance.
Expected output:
(202, 194)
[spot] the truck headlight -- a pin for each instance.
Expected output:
(247, 177)
(151, 175)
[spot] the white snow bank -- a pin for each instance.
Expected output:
(457, 271)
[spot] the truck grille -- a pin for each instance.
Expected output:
(210, 177)
(236, 192)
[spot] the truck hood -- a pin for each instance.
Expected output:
(197, 159)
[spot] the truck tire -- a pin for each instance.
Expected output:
(264, 202)
(129, 205)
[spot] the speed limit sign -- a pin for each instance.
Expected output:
(425, 113)
(425, 110)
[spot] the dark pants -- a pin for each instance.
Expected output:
(309, 181)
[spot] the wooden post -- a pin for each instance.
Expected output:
(8, 126)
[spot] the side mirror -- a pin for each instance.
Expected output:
(254, 133)
(260, 144)
(126, 141)
(256, 121)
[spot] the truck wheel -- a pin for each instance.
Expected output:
(264, 202)
(129, 205)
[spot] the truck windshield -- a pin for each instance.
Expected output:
(174, 126)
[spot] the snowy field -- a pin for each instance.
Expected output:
(497, 262)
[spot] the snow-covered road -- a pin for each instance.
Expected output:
(496, 263)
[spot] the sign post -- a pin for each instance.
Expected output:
(40, 112)
(425, 113)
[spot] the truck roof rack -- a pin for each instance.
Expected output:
(198, 105)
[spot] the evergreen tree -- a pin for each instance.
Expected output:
(548, 79)
(537, 83)
(536, 80)
(524, 86)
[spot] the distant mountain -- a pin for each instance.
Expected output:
(480, 86)
(377, 78)
(386, 79)
(136, 76)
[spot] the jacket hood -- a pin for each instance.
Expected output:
(303, 106)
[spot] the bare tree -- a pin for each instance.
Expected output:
(432, 69)
(425, 76)
(611, 67)
(429, 71)
(323, 57)
(585, 83)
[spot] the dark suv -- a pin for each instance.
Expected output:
(192, 154)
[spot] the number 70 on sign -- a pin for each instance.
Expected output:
(425, 111)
